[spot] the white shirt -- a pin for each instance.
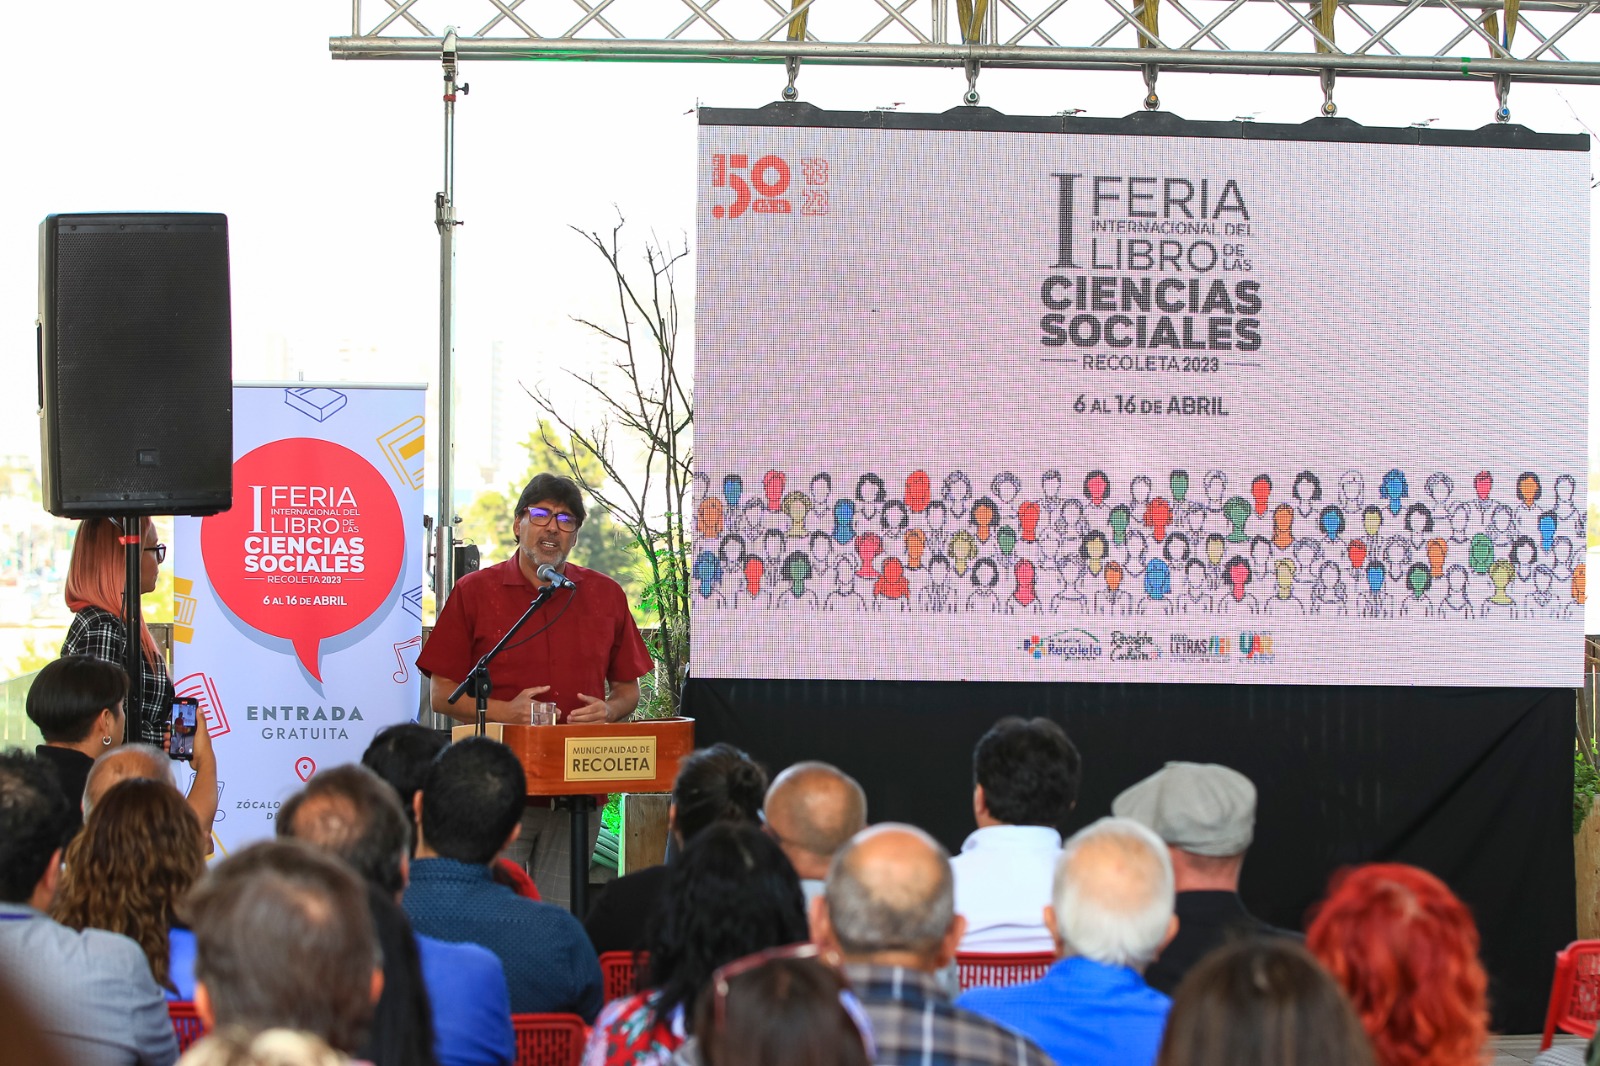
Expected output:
(1002, 881)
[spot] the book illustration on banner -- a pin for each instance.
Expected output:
(197, 686)
(304, 767)
(316, 402)
(184, 605)
(313, 548)
(403, 447)
(405, 656)
(411, 600)
(1115, 552)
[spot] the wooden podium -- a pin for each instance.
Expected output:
(572, 763)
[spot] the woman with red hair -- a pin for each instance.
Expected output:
(96, 577)
(1405, 950)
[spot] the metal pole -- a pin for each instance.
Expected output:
(444, 560)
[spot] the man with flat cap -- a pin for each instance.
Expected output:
(1206, 814)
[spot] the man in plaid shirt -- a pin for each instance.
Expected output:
(889, 909)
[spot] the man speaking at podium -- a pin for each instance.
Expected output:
(581, 643)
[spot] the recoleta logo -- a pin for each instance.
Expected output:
(1064, 644)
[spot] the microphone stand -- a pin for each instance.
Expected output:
(478, 678)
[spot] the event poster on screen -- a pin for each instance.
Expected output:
(1071, 401)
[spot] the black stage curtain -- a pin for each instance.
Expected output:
(1474, 785)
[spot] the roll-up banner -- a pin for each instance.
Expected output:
(298, 613)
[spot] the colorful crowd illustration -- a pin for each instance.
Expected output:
(1388, 543)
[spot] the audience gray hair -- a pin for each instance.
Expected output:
(125, 763)
(285, 940)
(1113, 893)
(906, 904)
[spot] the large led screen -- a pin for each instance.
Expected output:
(1077, 401)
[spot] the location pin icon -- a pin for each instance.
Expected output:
(304, 767)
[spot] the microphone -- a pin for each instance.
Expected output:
(549, 573)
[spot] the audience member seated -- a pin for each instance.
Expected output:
(350, 812)
(1206, 814)
(1111, 914)
(812, 810)
(401, 755)
(779, 1011)
(138, 855)
(126, 762)
(1405, 950)
(729, 894)
(889, 909)
(272, 1047)
(90, 992)
(1025, 784)
(719, 784)
(25, 1043)
(76, 702)
(1262, 1002)
(285, 942)
(469, 808)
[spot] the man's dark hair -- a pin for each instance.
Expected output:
(401, 755)
(351, 813)
(286, 941)
(472, 799)
(718, 784)
(35, 820)
(562, 490)
(1029, 771)
(69, 694)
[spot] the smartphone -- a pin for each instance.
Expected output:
(181, 728)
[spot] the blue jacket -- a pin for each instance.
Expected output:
(1081, 1012)
(471, 1009)
(549, 962)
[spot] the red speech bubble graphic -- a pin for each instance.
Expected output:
(312, 545)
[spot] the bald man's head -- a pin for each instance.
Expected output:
(890, 890)
(351, 812)
(125, 763)
(813, 809)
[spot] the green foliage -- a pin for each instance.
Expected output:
(36, 654)
(486, 522)
(611, 813)
(1585, 783)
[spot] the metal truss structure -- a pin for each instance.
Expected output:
(1495, 41)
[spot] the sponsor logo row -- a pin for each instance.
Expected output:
(1142, 645)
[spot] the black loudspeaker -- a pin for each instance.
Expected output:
(135, 365)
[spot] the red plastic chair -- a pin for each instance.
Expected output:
(186, 1023)
(549, 1039)
(618, 973)
(1575, 992)
(980, 969)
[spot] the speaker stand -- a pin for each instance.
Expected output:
(132, 592)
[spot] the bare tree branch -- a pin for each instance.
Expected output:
(652, 410)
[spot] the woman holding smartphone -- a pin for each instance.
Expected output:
(96, 578)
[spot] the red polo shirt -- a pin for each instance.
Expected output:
(581, 637)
